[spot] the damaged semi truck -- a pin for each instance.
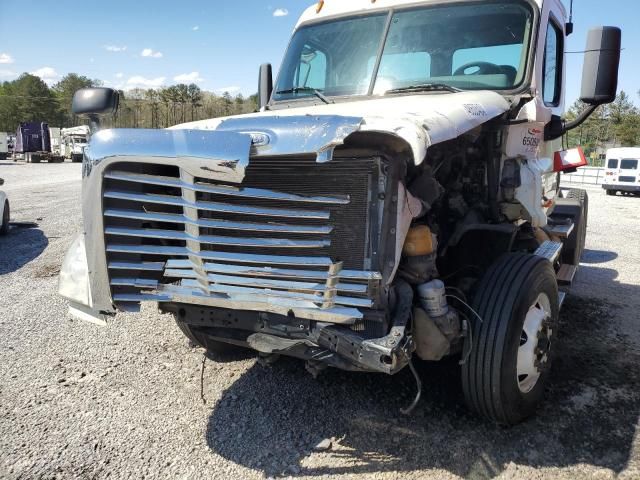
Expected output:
(395, 198)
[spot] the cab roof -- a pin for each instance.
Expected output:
(338, 8)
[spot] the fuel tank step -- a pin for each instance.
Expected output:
(566, 274)
(561, 229)
(549, 250)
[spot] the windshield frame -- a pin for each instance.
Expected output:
(522, 87)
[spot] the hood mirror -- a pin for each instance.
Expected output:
(265, 85)
(94, 103)
(601, 63)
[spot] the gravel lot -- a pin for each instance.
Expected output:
(80, 401)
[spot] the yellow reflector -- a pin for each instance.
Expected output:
(419, 242)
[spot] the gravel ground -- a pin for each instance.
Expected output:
(80, 401)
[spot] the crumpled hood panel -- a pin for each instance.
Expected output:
(420, 120)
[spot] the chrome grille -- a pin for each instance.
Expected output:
(172, 237)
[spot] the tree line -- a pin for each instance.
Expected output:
(28, 98)
(614, 125)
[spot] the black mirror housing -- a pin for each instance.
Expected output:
(265, 85)
(601, 64)
(92, 102)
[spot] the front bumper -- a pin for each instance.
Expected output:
(621, 187)
(316, 342)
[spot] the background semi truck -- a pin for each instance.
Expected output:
(33, 142)
(74, 141)
(396, 199)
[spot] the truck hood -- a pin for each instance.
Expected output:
(420, 120)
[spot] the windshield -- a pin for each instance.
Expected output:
(466, 46)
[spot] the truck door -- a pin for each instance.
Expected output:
(611, 172)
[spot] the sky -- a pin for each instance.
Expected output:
(217, 44)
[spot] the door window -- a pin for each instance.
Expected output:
(552, 69)
(629, 164)
(613, 163)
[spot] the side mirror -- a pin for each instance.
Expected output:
(601, 63)
(94, 103)
(265, 85)
(1, 181)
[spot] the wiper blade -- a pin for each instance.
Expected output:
(313, 91)
(426, 87)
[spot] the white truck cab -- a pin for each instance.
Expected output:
(73, 142)
(622, 171)
(4, 145)
(394, 199)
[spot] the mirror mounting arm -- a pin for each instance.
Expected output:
(557, 127)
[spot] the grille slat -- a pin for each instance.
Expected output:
(216, 207)
(221, 256)
(266, 283)
(274, 272)
(217, 240)
(260, 292)
(219, 224)
(225, 191)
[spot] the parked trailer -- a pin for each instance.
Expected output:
(4, 145)
(395, 199)
(33, 142)
(55, 138)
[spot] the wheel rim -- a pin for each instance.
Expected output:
(535, 344)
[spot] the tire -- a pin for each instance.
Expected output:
(213, 347)
(510, 289)
(611, 193)
(6, 217)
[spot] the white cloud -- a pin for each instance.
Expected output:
(193, 77)
(119, 75)
(6, 58)
(231, 89)
(280, 12)
(115, 48)
(196, 28)
(138, 81)
(47, 74)
(7, 74)
(148, 52)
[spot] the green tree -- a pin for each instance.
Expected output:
(64, 91)
(194, 95)
(28, 99)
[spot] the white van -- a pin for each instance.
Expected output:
(622, 172)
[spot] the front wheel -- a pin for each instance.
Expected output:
(611, 193)
(505, 375)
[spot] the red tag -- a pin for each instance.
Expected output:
(569, 160)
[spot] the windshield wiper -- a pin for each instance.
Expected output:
(426, 87)
(314, 91)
